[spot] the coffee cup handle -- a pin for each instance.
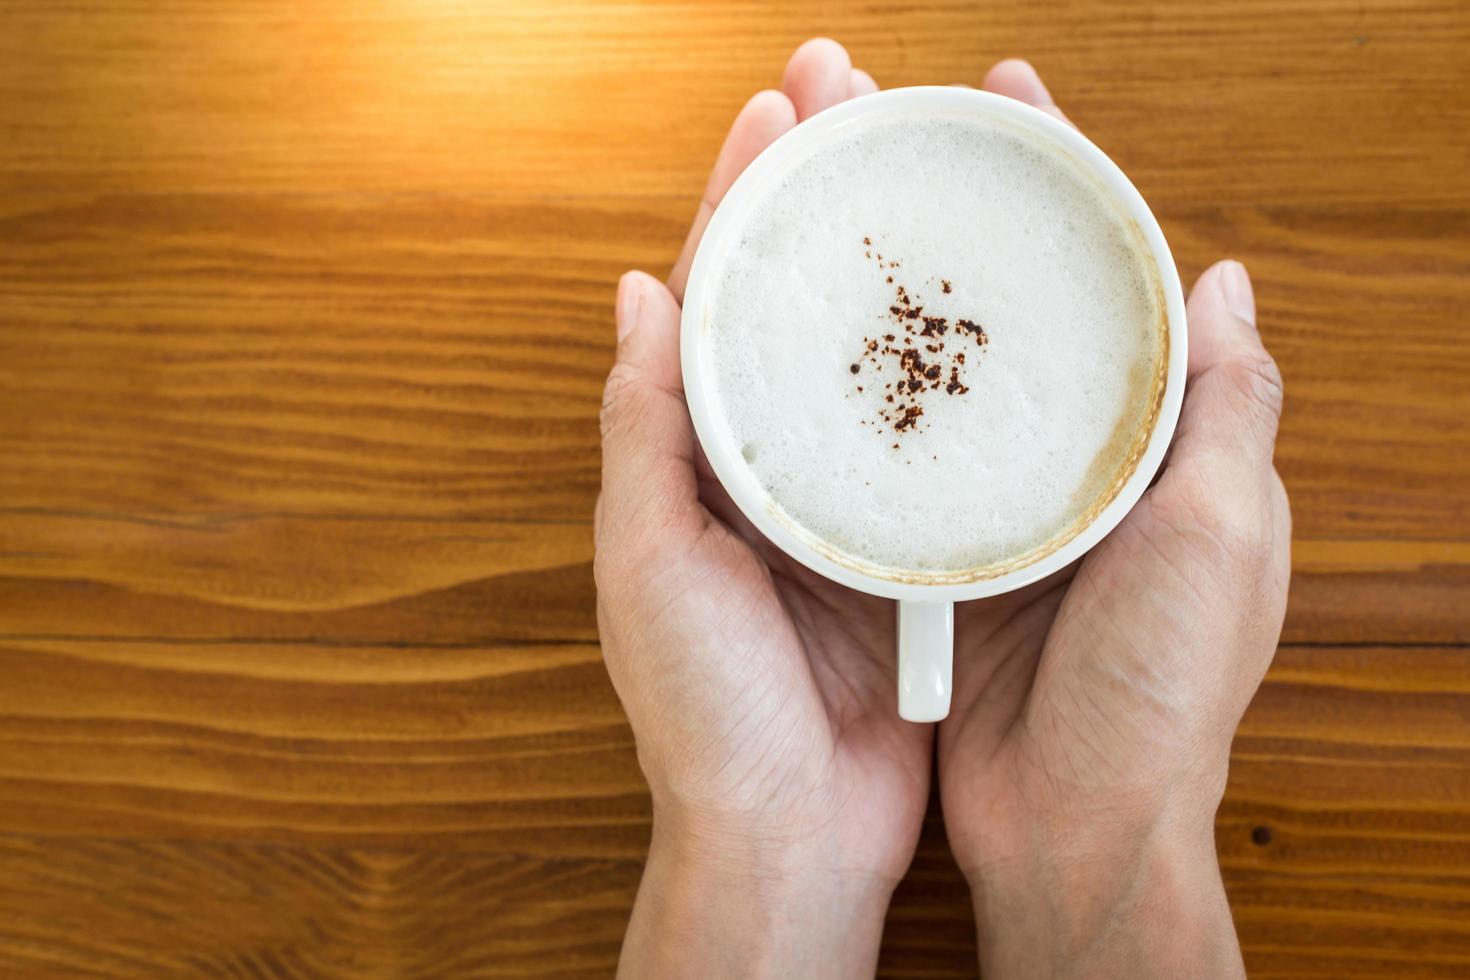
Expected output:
(925, 659)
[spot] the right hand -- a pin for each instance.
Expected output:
(1093, 712)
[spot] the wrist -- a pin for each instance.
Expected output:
(788, 876)
(1136, 901)
(819, 834)
(714, 902)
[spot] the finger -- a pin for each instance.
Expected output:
(1016, 79)
(1233, 400)
(861, 83)
(766, 116)
(817, 76)
(1221, 316)
(649, 489)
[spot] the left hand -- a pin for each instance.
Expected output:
(787, 792)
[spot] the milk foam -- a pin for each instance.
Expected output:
(984, 224)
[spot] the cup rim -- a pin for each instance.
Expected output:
(744, 489)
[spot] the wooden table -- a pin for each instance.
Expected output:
(304, 316)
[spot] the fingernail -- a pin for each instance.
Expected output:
(629, 304)
(1235, 283)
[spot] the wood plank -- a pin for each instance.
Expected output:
(212, 579)
(1350, 747)
(323, 912)
(423, 357)
(279, 563)
(444, 357)
(230, 910)
(1251, 101)
(552, 605)
(478, 746)
(1376, 591)
(265, 806)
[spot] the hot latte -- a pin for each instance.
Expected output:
(938, 344)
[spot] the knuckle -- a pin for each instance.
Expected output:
(1243, 536)
(1222, 531)
(1238, 534)
(1258, 379)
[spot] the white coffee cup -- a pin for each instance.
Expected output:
(925, 611)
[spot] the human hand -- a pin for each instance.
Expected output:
(1087, 748)
(787, 792)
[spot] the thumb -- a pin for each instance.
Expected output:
(1232, 404)
(648, 482)
(1220, 478)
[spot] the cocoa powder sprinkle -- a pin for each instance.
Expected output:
(918, 375)
(910, 416)
(974, 329)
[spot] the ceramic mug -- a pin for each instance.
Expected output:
(925, 610)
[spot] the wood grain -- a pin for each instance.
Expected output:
(479, 813)
(222, 353)
(1253, 101)
(304, 316)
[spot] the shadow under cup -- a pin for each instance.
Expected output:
(926, 597)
